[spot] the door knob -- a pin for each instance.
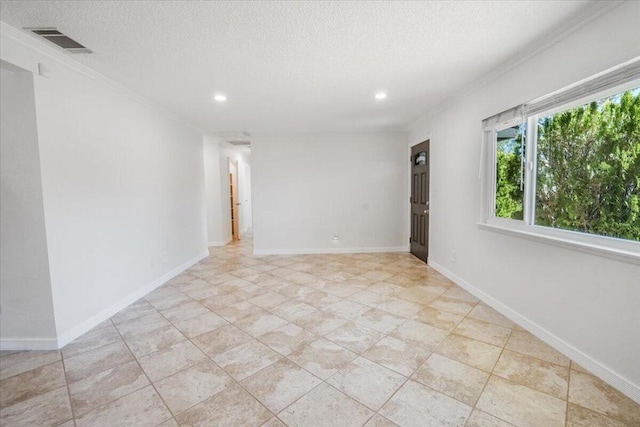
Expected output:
(426, 211)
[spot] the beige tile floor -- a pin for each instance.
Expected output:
(312, 340)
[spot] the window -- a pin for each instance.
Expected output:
(588, 176)
(566, 167)
(509, 172)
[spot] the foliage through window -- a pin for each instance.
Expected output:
(574, 168)
(588, 168)
(509, 176)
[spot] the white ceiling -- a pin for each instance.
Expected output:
(297, 66)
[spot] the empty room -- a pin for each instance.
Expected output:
(320, 213)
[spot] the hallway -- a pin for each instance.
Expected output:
(306, 340)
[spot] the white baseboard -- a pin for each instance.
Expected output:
(29, 344)
(105, 314)
(73, 333)
(330, 251)
(606, 374)
(219, 242)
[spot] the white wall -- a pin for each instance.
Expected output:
(586, 305)
(246, 216)
(25, 287)
(213, 190)
(308, 187)
(123, 188)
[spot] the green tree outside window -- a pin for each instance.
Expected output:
(588, 169)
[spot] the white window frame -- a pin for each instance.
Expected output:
(615, 248)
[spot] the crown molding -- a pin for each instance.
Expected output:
(40, 47)
(530, 50)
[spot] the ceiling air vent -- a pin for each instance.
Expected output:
(239, 138)
(59, 39)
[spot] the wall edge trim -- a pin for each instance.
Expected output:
(13, 344)
(331, 250)
(219, 242)
(609, 376)
(73, 333)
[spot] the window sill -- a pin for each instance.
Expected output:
(566, 239)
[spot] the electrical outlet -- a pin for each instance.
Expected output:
(165, 257)
(453, 256)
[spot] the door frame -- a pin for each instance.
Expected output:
(235, 194)
(407, 213)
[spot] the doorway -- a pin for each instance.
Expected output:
(235, 203)
(419, 214)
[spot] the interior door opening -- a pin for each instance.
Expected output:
(235, 202)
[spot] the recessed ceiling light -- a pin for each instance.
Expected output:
(381, 95)
(220, 97)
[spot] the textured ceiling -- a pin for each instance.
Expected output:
(297, 66)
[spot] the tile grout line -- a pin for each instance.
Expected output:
(358, 355)
(221, 391)
(236, 259)
(566, 411)
(475, 405)
(210, 359)
(301, 367)
(325, 381)
(234, 380)
(388, 334)
(220, 367)
(146, 376)
(300, 397)
(93, 374)
(41, 366)
(66, 382)
(391, 397)
(504, 347)
(407, 378)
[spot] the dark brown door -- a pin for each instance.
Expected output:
(420, 200)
